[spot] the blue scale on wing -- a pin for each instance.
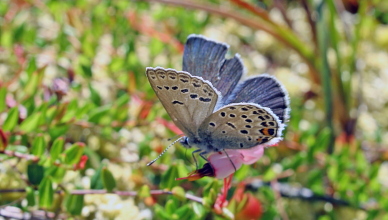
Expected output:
(264, 90)
(206, 58)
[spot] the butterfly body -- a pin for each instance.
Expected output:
(212, 107)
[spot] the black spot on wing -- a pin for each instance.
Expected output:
(205, 99)
(193, 96)
(231, 125)
(243, 131)
(177, 102)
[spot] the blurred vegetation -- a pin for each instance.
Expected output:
(79, 121)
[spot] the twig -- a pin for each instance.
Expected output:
(16, 213)
(282, 34)
(311, 22)
(287, 191)
(102, 191)
(280, 6)
(255, 10)
(21, 155)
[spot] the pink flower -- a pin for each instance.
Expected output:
(224, 166)
(221, 165)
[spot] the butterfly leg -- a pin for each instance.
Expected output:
(195, 160)
(201, 153)
(230, 160)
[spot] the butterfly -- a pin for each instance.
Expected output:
(213, 107)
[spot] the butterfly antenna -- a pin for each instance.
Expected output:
(181, 135)
(230, 160)
(165, 150)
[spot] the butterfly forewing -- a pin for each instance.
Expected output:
(206, 58)
(187, 99)
(241, 126)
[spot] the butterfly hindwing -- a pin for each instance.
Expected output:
(265, 91)
(241, 126)
(187, 99)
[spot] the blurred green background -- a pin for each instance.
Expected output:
(77, 112)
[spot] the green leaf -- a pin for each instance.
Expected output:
(168, 179)
(98, 113)
(214, 184)
(94, 96)
(74, 204)
(242, 173)
(57, 148)
(70, 111)
(58, 130)
(184, 212)
(122, 100)
(31, 67)
(12, 119)
(179, 193)
(31, 123)
(30, 196)
(161, 212)
(156, 46)
(38, 146)
(33, 83)
(73, 154)
(35, 173)
(87, 70)
(46, 193)
(3, 94)
(199, 210)
(108, 180)
(144, 191)
(171, 206)
(96, 180)
(56, 173)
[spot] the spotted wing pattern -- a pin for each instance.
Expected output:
(187, 99)
(240, 126)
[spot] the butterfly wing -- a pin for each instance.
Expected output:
(240, 126)
(206, 58)
(265, 91)
(187, 99)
